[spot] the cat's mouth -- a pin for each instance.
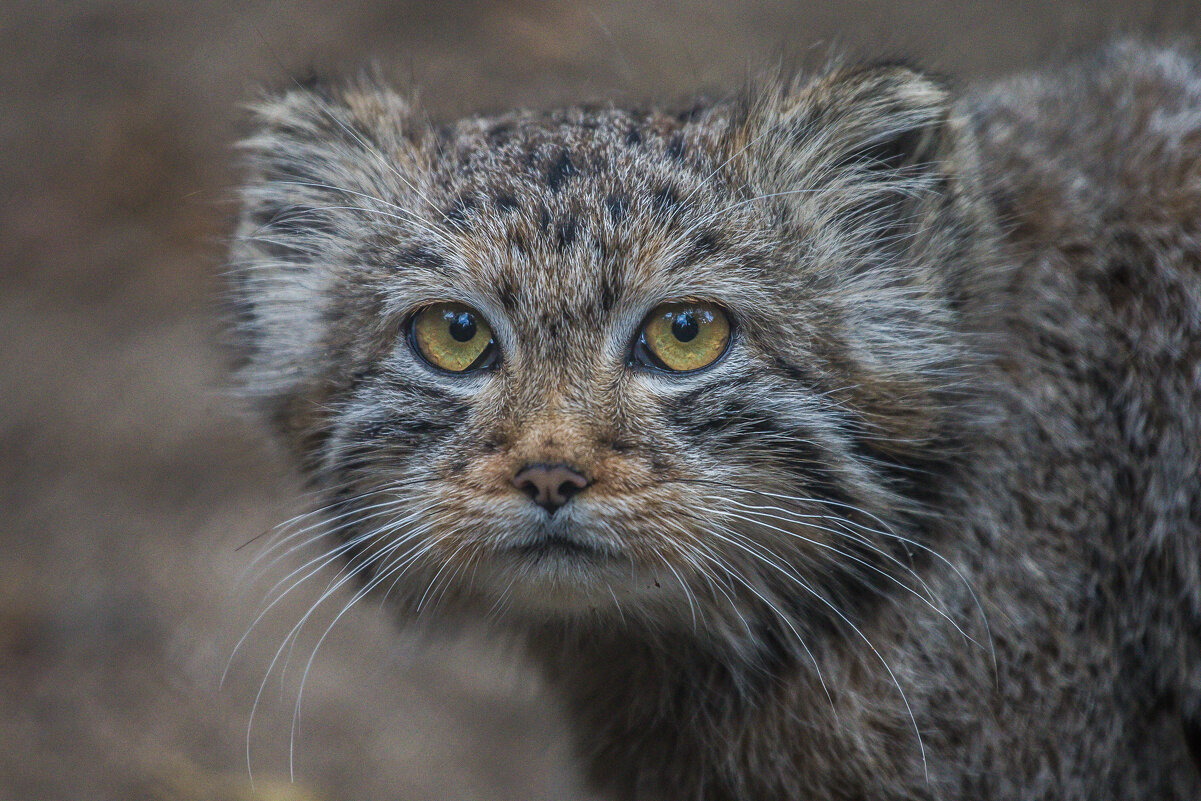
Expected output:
(565, 570)
(571, 536)
(558, 545)
(576, 561)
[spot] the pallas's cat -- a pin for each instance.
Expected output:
(838, 440)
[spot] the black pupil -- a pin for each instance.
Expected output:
(462, 326)
(685, 327)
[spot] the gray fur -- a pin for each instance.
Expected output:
(930, 530)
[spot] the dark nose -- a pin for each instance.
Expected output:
(549, 485)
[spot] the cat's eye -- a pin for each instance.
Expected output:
(683, 336)
(453, 337)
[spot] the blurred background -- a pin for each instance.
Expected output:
(128, 482)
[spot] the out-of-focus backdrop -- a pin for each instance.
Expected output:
(128, 482)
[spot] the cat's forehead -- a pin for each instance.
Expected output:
(528, 146)
(577, 210)
(580, 166)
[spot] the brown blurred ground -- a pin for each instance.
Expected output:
(127, 481)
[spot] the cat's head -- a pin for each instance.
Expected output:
(608, 363)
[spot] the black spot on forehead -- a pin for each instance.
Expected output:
(554, 183)
(567, 152)
(506, 201)
(611, 287)
(704, 244)
(459, 210)
(551, 324)
(423, 256)
(560, 170)
(599, 246)
(506, 292)
(617, 205)
(565, 232)
(665, 198)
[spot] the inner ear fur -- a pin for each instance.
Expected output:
(881, 117)
(869, 138)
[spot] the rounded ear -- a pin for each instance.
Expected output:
(880, 117)
(868, 137)
(883, 115)
(326, 167)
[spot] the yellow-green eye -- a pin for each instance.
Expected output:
(683, 336)
(453, 337)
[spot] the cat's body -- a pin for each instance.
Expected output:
(930, 527)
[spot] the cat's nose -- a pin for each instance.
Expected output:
(550, 485)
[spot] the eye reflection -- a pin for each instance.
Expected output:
(681, 337)
(462, 326)
(685, 327)
(453, 337)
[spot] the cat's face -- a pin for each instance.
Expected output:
(599, 362)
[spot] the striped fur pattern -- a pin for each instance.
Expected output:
(930, 529)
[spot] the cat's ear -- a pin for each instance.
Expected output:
(865, 139)
(326, 167)
(874, 175)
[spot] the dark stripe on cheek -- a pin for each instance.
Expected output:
(731, 425)
(726, 422)
(685, 402)
(380, 440)
(796, 372)
(915, 473)
(407, 431)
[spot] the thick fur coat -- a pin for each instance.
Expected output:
(929, 529)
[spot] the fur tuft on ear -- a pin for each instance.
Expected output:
(872, 164)
(327, 167)
(884, 117)
(870, 139)
(878, 117)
